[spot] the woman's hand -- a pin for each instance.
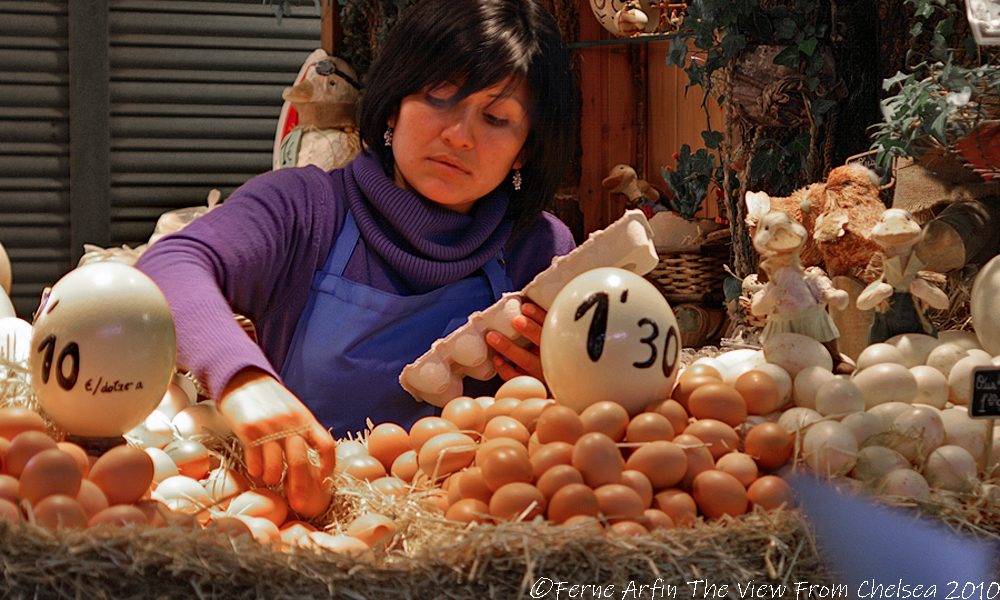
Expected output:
(526, 360)
(277, 429)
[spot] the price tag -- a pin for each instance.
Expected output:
(985, 403)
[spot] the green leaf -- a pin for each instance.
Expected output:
(786, 28)
(808, 46)
(788, 57)
(713, 139)
(763, 164)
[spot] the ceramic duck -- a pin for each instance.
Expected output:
(900, 296)
(622, 179)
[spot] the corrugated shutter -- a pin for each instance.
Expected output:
(34, 153)
(195, 99)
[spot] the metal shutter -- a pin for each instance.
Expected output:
(34, 153)
(195, 99)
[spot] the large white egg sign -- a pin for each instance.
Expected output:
(103, 350)
(984, 306)
(610, 335)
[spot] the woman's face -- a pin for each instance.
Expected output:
(454, 153)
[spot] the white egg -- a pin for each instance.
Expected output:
(262, 530)
(807, 383)
(951, 468)
(914, 346)
(183, 494)
(922, 431)
(200, 419)
(715, 363)
(888, 411)
(347, 449)
(864, 425)
(960, 377)
(966, 339)
(880, 353)
(932, 386)
(875, 462)
(732, 358)
(839, 397)
(962, 430)
(15, 340)
(339, 543)
(829, 448)
(174, 401)
(163, 465)
(224, 484)
(886, 382)
(794, 352)
(143, 437)
(944, 357)
(159, 424)
(905, 483)
(795, 419)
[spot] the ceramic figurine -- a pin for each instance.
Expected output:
(622, 179)
(901, 295)
(794, 299)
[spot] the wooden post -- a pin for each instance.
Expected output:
(332, 36)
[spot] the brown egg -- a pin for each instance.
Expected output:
(25, 445)
(435, 500)
(263, 503)
(16, 419)
(8, 488)
(49, 472)
(685, 385)
(291, 531)
(190, 456)
(506, 426)
(598, 459)
(607, 417)
(60, 512)
(533, 444)
(739, 465)
(91, 498)
(528, 411)
(157, 513)
(717, 493)
(699, 458)
(362, 467)
(770, 444)
(389, 485)
(471, 485)
(446, 453)
(759, 391)
(718, 401)
(503, 465)
(557, 477)
(517, 501)
(550, 455)
(465, 413)
(426, 428)
(638, 481)
(488, 445)
(9, 511)
(123, 473)
(522, 388)
(405, 466)
(627, 529)
(558, 423)
(78, 453)
(223, 485)
(700, 369)
(664, 463)
(673, 411)
(654, 519)
(119, 515)
(386, 442)
(233, 528)
(502, 407)
(649, 427)
(585, 525)
(678, 505)
(572, 500)
(469, 510)
(619, 502)
(770, 492)
(722, 437)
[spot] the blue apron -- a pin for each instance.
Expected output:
(352, 341)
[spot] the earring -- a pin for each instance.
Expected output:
(387, 136)
(517, 180)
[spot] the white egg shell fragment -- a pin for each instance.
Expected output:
(880, 353)
(932, 386)
(906, 484)
(886, 382)
(794, 352)
(951, 468)
(839, 396)
(829, 448)
(914, 346)
(944, 357)
(807, 383)
(960, 377)
(436, 376)
(864, 425)
(610, 335)
(875, 462)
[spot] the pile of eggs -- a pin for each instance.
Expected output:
(518, 456)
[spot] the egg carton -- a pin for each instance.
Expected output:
(436, 377)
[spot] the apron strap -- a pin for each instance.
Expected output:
(347, 240)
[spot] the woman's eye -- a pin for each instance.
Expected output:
(437, 101)
(495, 120)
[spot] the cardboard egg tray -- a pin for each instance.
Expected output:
(436, 377)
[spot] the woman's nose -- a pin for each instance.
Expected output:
(458, 131)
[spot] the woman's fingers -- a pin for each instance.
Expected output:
(304, 486)
(323, 443)
(526, 360)
(274, 462)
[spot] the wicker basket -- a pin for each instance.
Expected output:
(692, 275)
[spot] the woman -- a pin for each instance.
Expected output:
(350, 275)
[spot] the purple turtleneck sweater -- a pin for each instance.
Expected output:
(256, 254)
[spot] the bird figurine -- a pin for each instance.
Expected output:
(794, 299)
(901, 295)
(631, 20)
(318, 124)
(622, 179)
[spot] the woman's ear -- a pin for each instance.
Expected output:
(522, 157)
